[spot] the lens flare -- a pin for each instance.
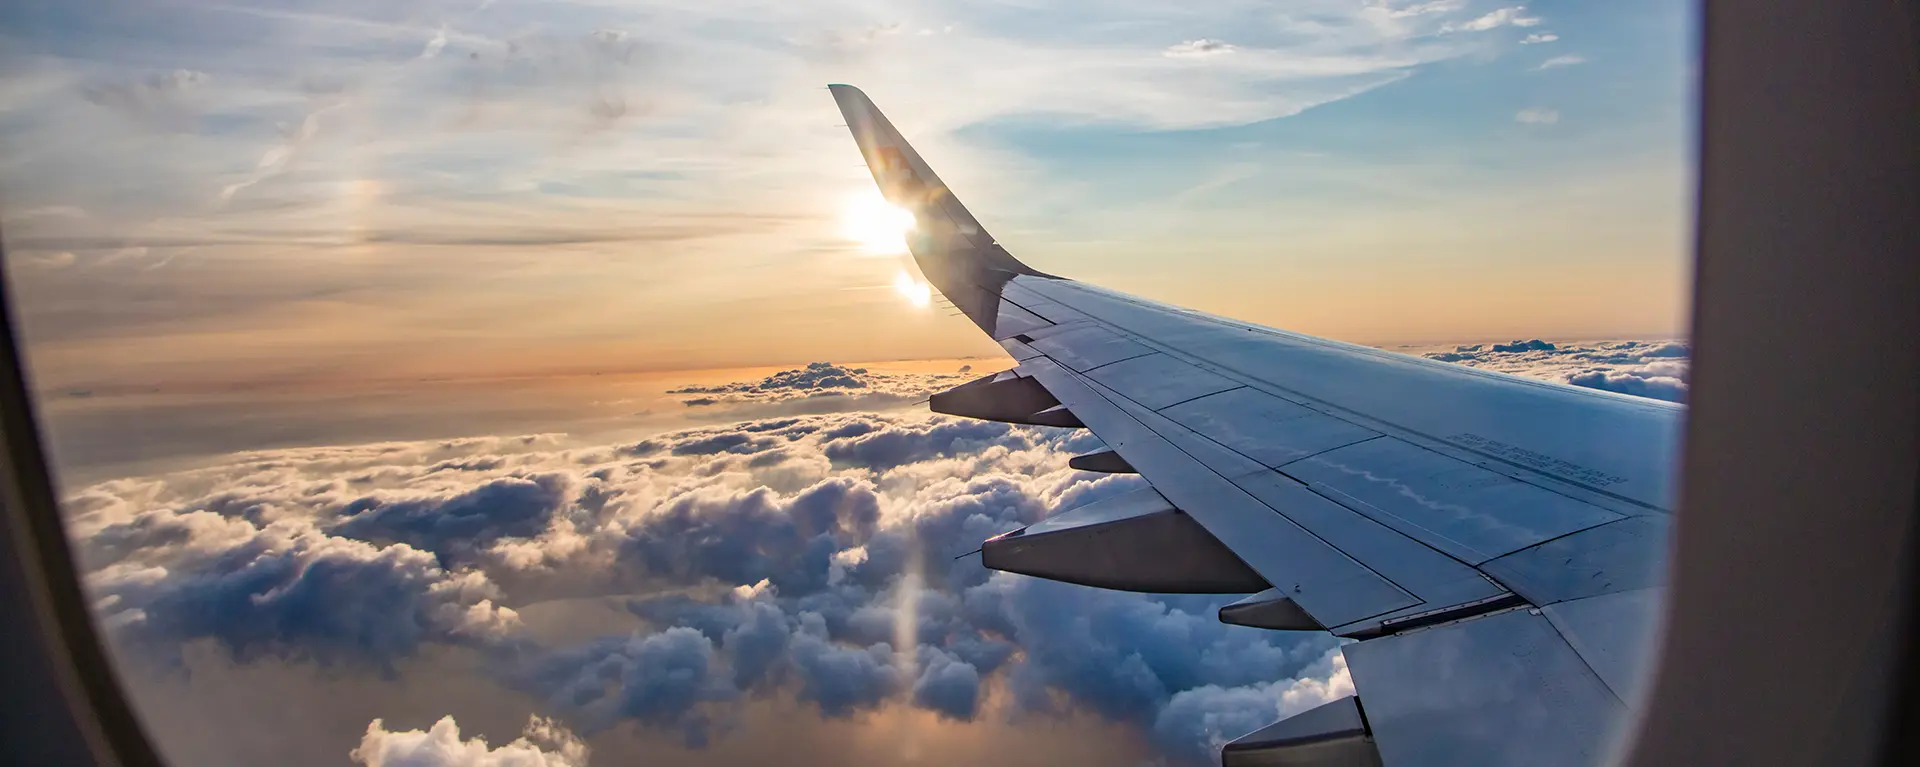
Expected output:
(880, 227)
(916, 292)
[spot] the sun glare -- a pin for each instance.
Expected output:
(879, 226)
(916, 292)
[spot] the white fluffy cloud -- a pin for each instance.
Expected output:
(546, 743)
(1656, 369)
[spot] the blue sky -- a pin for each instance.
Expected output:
(429, 189)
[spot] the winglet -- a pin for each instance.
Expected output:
(948, 242)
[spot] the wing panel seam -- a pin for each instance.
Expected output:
(1516, 472)
(1108, 394)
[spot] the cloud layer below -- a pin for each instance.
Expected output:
(807, 559)
(1656, 369)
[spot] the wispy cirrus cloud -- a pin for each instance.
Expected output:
(1561, 61)
(1515, 16)
(1199, 48)
(362, 142)
(1536, 116)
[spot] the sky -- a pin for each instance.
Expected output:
(512, 383)
(291, 193)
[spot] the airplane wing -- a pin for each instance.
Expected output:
(1496, 544)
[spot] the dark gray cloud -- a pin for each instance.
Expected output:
(453, 528)
(660, 679)
(1655, 369)
(947, 684)
(301, 595)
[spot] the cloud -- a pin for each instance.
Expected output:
(1646, 382)
(161, 99)
(1655, 369)
(1503, 17)
(805, 559)
(824, 384)
(1562, 61)
(52, 261)
(318, 148)
(1210, 716)
(1538, 38)
(283, 591)
(1418, 9)
(44, 211)
(453, 528)
(1199, 48)
(662, 679)
(1536, 116)
(277, 159)
(435, 44)
(545, 743)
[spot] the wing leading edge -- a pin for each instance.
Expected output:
(1497, 544)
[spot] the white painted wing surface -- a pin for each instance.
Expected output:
(1497, 543)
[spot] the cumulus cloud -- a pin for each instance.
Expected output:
(1655, 369)
(1562, 61)
(806, 559)
(284, 590)
(1538, 38)
(1514, 16)
(1198, 48)
(826, 385)
(1536, 116)
(546, 743)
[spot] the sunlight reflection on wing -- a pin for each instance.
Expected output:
(916, 292)
(879, 226)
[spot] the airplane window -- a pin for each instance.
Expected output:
(570, 383)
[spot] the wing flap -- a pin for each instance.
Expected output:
(1619, 556)
(1438, 580)
(1504, 689)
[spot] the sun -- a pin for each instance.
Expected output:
(878, 226)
